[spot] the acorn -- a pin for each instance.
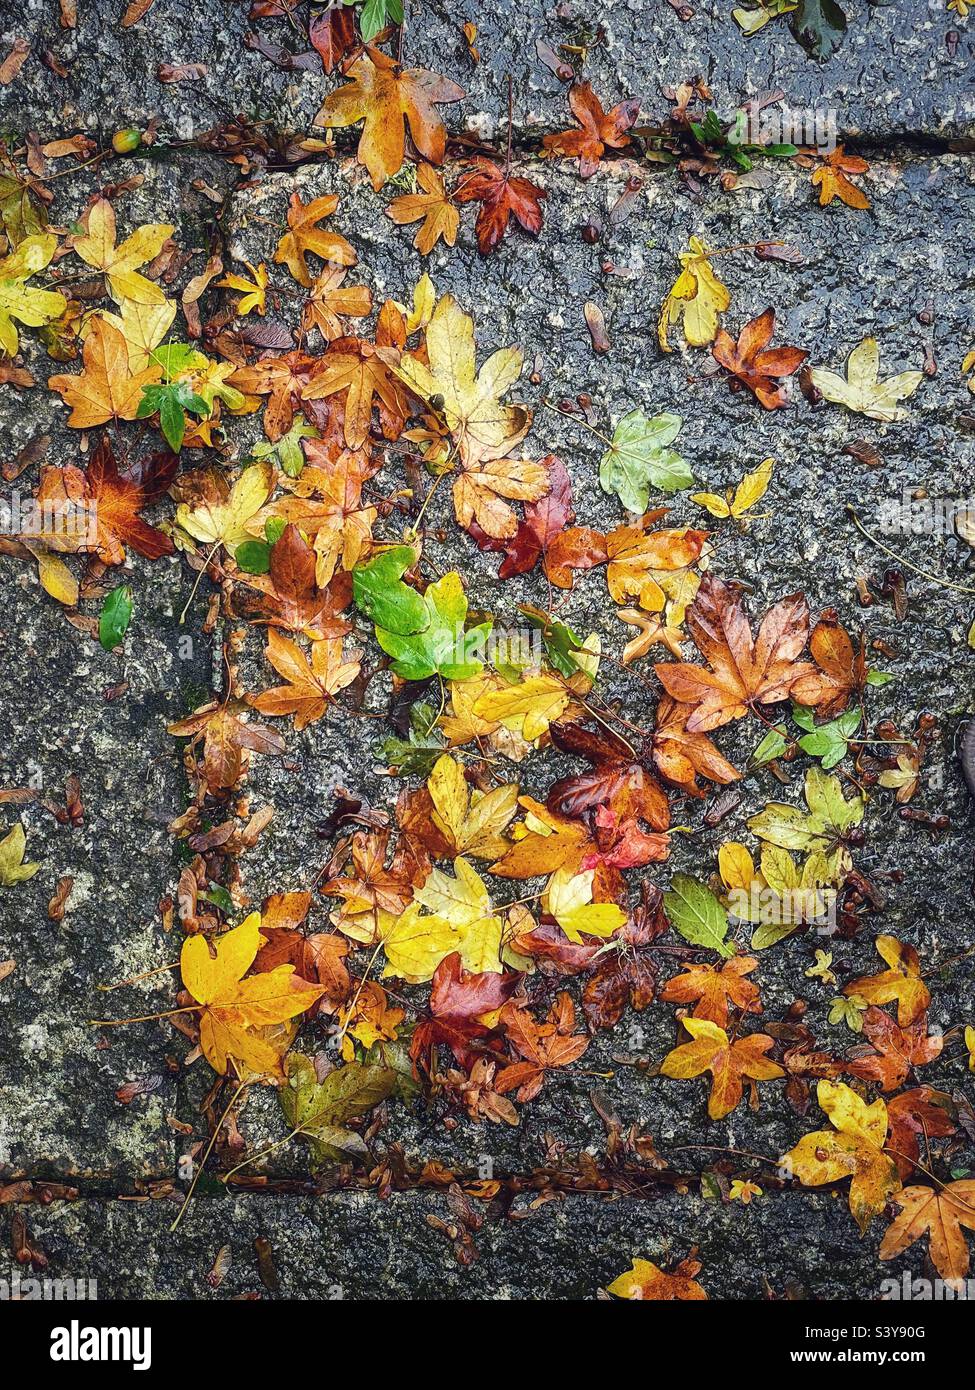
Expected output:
(127, 140)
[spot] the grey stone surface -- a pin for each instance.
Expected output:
(893, 73)
(352, 1246)
(862, 273)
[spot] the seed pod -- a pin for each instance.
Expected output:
(127, 140)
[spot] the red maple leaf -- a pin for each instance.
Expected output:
(619, 779)
(920, 1111)
(458, 999)
(502, 195)
(111, 499)
(543, 521)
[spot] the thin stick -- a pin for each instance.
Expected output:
(206, 566)
(925, 574)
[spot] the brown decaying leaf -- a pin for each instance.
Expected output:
(745, 671)
(137, 10)
(598, 128)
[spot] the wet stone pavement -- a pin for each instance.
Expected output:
(98, 1172)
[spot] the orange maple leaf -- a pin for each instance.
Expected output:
(841, 671)
(711, 990)
(728, 1062)
(105, 389)
(433, 208)
(387, 98)
(542, 1045)
(310, 685)
(599, 128)
(901, 982)
(832, 182)
(753, 364)
(304, 237)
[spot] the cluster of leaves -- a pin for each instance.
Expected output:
(306, 546)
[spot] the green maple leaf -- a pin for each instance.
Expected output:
(320, 1110)
(171, 400)
(694, 911)
(639, 457)
(379, 591)
(445, 645)
(828, 818)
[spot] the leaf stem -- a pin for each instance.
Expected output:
(207, 1152)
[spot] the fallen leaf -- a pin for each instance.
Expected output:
(599, 128)
(902, 982)
(728, 1062)
(862, 390)
(745, 671)
(305, 238)
(106, 389)
(939, 1213)
(697, 297)
(234, 1008)
(753, 364)
(434, 208)
(502, 195)
(119, 264)
(644, 1281)
(853, 1148)
(13, 847)
(387, 97)
(310, 684)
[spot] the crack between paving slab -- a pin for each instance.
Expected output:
(634, 1183)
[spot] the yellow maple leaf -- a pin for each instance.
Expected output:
(226, 522)
(752, 487)
(459, 918)
(234, 1008)
(252, 290)
(97, 248)
(143, 326)
(697, 295)
(526, 708)
(470, 826)
(862, 391)
(20, 301)
(568, 898)
(853, 1148)
(13, 847)
(646, 1282)
(728, 1062)
(902, 982)
(481, 427)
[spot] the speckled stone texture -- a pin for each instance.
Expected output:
(895, 86)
